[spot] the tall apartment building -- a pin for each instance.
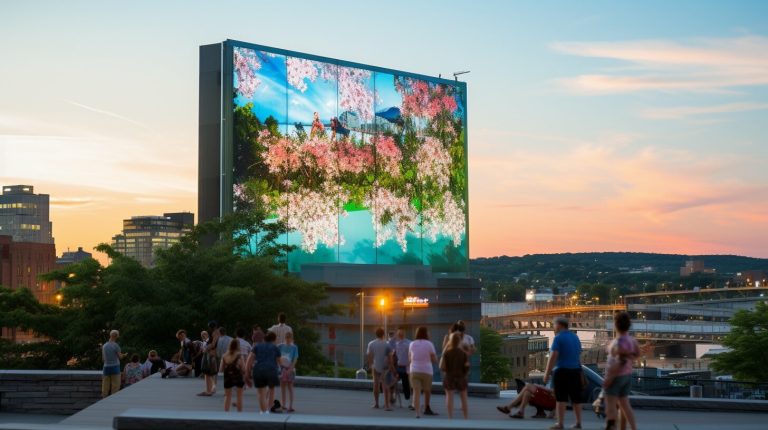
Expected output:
(24, 215)
(142, 235)
(21, 264)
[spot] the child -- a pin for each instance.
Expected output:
(289, 354)
(233, 368)
(132, 371)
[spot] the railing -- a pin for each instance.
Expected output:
(717, 389)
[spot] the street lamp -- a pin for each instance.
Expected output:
(382, 305)
(361, 373)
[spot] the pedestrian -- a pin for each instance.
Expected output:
(280, 329)
(233, 367)
(454, 363)
(467, 341)
(245, 346)
(111, 355)
(565, 357)
(257, 335)
(622, 352)
(380, 361)
(185, 347)
(132, 371)
(289, 355)
(262, 369)
(454, 328)
(402, 364)
(198, 349)
(422, 355)
(222, 344)
(210, 364)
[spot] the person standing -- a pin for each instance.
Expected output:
(467, 341)
(455, 366)
(185, 347)
(289, 355)
(111, 355)
(245, 346)
(209, 363)
(233, 367)
(262, 366)
(622, 352)
(422, 355)
(402, 364)
(565, 357)
(380, 361)
(222, 344)
(257, 335)
(280, 329)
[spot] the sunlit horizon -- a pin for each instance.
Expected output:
(592, 127)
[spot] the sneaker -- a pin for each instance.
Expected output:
(428, 411)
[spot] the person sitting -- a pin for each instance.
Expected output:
(153, 364)
(538, 396)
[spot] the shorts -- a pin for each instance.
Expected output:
(287, 375)
(452, 382)
(421, 381)
(620, 387)
(229, 383)
(567, 385)
(265, 378)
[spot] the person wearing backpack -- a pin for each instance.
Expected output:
(233, 367)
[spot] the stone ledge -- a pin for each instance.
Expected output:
(699, 404)
(135, 419)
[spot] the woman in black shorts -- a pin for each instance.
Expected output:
(233, 367)
(263, 364)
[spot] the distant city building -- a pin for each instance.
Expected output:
(71, 257)
(24, 215)
(753, 278)
(525, 353)
(694, 266)
(21, 263)
(142, 235)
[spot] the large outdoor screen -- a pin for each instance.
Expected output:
(364, 165)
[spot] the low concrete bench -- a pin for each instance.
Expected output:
(135, 419)
(474, 390)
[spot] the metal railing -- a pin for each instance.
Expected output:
(711, 388)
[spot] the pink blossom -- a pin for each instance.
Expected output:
(433, 162)
(447, 219)
(404, 217)
(424, 100)
(314, 214)
(300, 69)
(246, 64)
(388, 155)
(354, 94)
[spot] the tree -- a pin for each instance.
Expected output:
(748, 343)
(494, 366)
(238, 281)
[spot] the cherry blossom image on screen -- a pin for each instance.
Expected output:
(362, 166)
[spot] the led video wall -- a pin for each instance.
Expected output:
(363, 165)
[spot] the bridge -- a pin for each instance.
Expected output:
(699, 315)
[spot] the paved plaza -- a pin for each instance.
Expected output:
(179, 395)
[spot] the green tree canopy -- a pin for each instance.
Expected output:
(217, 272)
(494, 366)
(748, 341)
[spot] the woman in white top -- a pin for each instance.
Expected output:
(422, 355)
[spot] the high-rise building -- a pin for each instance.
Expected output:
(142, 235)
(24, 215)
(21, 264)
(70, 257)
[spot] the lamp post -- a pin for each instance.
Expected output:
(382, 305)
(361, 373)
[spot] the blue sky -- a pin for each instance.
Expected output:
(593, 125)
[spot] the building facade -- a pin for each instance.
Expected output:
(21, 264)
(71, 257)
(142, 235)
(24, 215)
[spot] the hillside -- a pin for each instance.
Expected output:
(592, 266)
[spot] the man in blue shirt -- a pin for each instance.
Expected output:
(565, 357)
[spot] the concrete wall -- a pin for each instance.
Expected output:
(60, 392)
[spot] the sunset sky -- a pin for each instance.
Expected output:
(593, 126)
